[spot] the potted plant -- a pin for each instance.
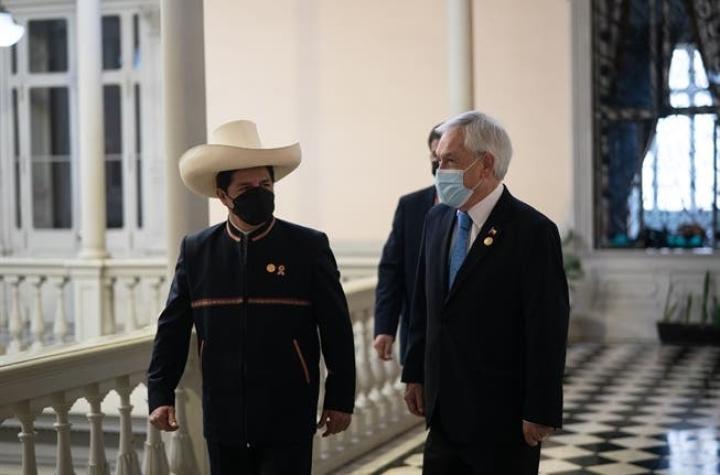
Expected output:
(677, 326)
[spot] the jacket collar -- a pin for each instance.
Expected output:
(257, 234)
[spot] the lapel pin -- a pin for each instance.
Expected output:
(270, 268)
(493, 231)
(281, 270)
(488, 241)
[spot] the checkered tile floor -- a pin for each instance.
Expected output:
(629, 409)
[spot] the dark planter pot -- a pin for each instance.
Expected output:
(682, 334)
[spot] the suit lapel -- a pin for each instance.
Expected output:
(485, 241)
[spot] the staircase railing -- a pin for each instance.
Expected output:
(54, 379)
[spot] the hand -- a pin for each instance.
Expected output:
(334, 421)
(383, 345)
(414, 399)
(163, 418)
(535, 433)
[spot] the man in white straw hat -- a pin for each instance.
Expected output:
(265, 298)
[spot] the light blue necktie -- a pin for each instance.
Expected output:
(460, 244)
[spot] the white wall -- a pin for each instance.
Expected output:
(359, 84)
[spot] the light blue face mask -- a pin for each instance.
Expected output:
(450, 186)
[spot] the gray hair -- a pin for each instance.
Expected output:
(483, 134)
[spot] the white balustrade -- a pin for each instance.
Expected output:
(55, 378)
(36, 290)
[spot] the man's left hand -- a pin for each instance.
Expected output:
(334, 421)
(535, 433)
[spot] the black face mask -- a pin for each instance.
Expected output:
(255, 206)
(434, 165)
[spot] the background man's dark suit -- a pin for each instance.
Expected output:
(398, 265)
(490, 351)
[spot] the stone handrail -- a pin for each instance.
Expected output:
(57, 378)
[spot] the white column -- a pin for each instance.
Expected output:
(460, 56)
(185, 114)
(91, 139)
(185, 126)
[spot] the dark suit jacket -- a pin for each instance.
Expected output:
(490, 351)
(396, 272)
(262, 305)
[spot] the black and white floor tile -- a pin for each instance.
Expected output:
(629, 409)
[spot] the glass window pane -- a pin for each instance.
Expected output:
(679, 69)
(701, 79)
(704, 160)
(48, 46)
(16, 159)
(137, 57)
(50, 157)
(112, 51)
(113, 157)
(679, 99)
(138, 157)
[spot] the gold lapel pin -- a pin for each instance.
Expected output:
(270, 268)
(488, 241)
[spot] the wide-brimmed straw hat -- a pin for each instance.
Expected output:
(234, 146)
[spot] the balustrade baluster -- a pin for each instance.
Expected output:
(37, 316)
(377, 367)
(323, 442)
(27, 438)
(393, 397)
(370, 410)
(182, 458)
(156, 304)
(3, 306)
(127, 461)
(131, 323)
(97, 463)
(63, 462)
(155, 460)
(60, 324)
(109, 326)
(15, 324)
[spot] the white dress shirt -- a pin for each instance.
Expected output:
(480, 213)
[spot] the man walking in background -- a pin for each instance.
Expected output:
(396, 272)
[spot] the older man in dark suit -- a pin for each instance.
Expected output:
(396, 272)
(489, 326)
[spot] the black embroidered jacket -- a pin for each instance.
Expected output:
(262, 305)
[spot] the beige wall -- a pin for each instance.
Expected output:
(360, 83)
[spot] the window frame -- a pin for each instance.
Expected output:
(131, 238)
(585, 219)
